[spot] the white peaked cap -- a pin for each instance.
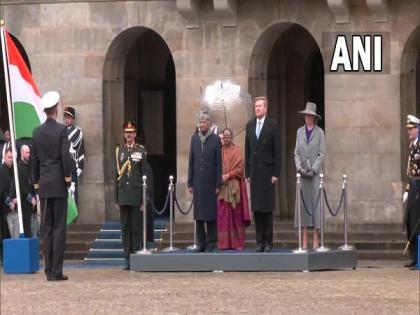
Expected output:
(411, 119)
(50, 99)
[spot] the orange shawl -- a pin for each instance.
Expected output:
(234, 166)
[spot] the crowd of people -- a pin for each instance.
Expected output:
(49, 166)
(226, 187)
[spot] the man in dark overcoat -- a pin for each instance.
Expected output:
(205, 181)
(27, 191)
(52, 166)
(262, 169)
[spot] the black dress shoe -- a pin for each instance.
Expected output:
(260, 248)
(200, 249)
(413, 267)
(59, 277)
(410, 264)
(268, 249)
(126, 267)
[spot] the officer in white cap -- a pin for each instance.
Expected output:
(52, 166)
(411, 196)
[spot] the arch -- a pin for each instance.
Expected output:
(286, 65)
(139, 85)
(410, 89)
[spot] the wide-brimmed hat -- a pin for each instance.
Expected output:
(412, 121)
(310, 110)
(50, 99)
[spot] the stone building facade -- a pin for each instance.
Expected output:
(148, 61)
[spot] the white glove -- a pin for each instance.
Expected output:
(405, 197)
(72, 188)
(79, 172)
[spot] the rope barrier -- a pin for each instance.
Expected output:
(305, 206)
(180, 209)
(151, 202)
(334, 213)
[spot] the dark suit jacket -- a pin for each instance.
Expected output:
(27, 190)
(262, 161)
(6, 178)
(205, 175)
(52, 163)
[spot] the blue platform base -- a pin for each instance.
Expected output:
(20, 255)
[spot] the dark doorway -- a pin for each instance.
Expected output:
(140, 85)
(287, 66)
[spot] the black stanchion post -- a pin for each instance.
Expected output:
(144, 251)
(345, 246)
(300, 250)
(171, 248)
(322, 248)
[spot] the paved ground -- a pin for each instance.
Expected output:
(374, 288)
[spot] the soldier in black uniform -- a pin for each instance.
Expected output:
(412, 194)
(77, 149)
(52, 166)
(131, 165)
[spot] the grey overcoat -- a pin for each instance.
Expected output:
(310, 155)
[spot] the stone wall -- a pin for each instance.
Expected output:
(68, 45)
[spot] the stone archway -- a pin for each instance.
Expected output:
(287, 66)
(4, 117)
(139, 85)
(410, 90)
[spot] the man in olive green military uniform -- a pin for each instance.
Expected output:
(131, 164)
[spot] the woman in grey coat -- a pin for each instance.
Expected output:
(309, 159)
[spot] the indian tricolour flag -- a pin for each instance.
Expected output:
(26, 99)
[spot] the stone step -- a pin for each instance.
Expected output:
(81, 236)
(78, 227)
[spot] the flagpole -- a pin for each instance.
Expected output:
(11, 125)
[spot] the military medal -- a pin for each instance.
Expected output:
(136, 156)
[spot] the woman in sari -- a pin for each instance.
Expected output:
(232, 207)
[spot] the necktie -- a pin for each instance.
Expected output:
(258, 128)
